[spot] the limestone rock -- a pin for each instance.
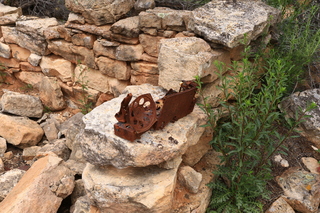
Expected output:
(310, 127)
(128, 27)
(103, 31)
(47, 180)
(78, 191)
(189, 178)
(55, 66)
(148, 189)
(26, 66)
(11, 63)
(5, 50)
(144, 72)
(51, 95)
(232, 22)
(58, 147)
(33, 78)
(9, 15)
(150, 44)
(50, 129)
(100, 12)
(98, 81)
(312, 164)
(76, 18)
(81, 39)
(57, 32)
(301, 189)
(142, 5)
(183, 58)
(129, 52)
(113, 68)
(82, 205)
(280, 205)
(21, 104)
(5, 10)
(19, 53)
(101, 147)
(10, 34)
(30, 133)
(3, 146)
(34, 59)
(102, 47)
(8, 180)
(149, 58)
(30, 152)
(1, 165)
(72, 53)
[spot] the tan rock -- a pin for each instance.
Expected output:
(150, 192)
(48, 179)
(19, 53)
(113, 68)
(103, 47)
(26, 66)
(30, 133)
(129, 52)
(100, 12)
(1, 165)
(3, 146)
(76, 18)
(312, 164)
(280, 205)
(73, 53)
(103, 98)
(9, 15)
(10, 34)
(124, 39)
(85, 40)
(128, 27)
(149, 20)
(144, 79)
(150, 44)
(103, 31)
(57, 32)
(98, 81)
(144, 72)
(55, 66)
(183, 58)
(33, 78)
(5, 10)
(301, 189)
(30, 152)
(5, 50)
(51, 94)
(190, 178)
(149, 58)
(11, 62)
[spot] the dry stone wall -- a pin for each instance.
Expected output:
(159, 46)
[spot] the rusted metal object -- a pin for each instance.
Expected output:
(143, 113)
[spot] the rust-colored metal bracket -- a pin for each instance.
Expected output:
(143, 113)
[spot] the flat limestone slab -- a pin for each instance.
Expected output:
(102, 147)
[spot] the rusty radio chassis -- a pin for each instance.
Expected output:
(143, 113)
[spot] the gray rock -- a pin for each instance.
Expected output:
(128, 27)
(34, 59)
(310, 127)
(57, 147)
(101, 146)
(82, 205)
(280, 205)
(233, 23)
(21, 104)
(78, 191)
(190, 178)
(3, 146)
(8, 180)
(30, 133)
(30, 152)
(142, 5)
(50, 129)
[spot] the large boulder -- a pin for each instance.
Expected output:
(30, 133)
(102, 147)
(184, 58)
(231, 24)
(100, 12)
(21, 104)
(47, 180)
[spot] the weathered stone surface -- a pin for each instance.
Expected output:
(149, 58)
(1, 165)
(5, 10)
(78, 190)
(11, 62)
(96, 80)
(3, 146)
(30, 133)
(50, 129)
(51, 94)
(128, 27)
(129, 52)
(76, 18)
(26, 66)
(9, 15)
(149, 20)
(301, 189)
(138, 190)
(232, 22)
(72, 53)
(150, 44)
(102, 47)
(47, 180)
(103, 31)
(280, 205)
(100, 12)
(183, 58)
(34, 59)
(19, 53)
(85, 40)
(101, 147)
(144, 72)
(113, 68)
(10, 34)
(103, 98)
(190, 178)
(21, 104)
(310, 127)
(57, 32)
(8, 180)
(312, 164)
(82, 205)
(124, 39)
(33, 78)
(57, 147)
(55, 66)
(142, 5)
(30, 152)
(5, 50)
